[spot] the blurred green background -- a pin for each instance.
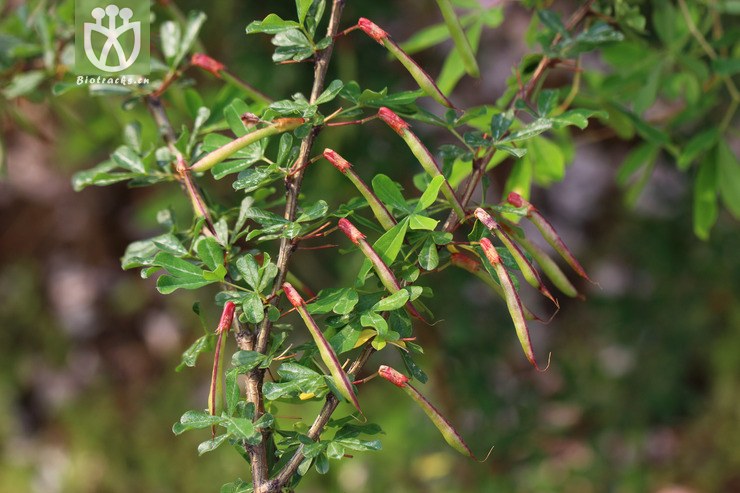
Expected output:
(642, 395)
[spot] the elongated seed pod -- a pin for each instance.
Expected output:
(201, 60)
(549, 267)
(512, 300)
(426, 83)
(328, 356)
(214, 157)
(422, 154)
(216, 393)
(458, 37)
(468, 264)
(528, 271)
(384, 272)
(449, 433)
(548, 233)
(379, 210)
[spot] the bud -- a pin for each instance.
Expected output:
(250, 119)
(486, 219)
(393, 376)
(490, 251)
(338, 161)
(393, 120)
(205, 62)
(349, 229)
(372, 29)
(295, 299)
(516, 200)
(226, 317)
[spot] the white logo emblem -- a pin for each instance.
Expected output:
(112, 33)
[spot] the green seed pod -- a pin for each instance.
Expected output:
(422, 154)
(420, 76)
(328, 356)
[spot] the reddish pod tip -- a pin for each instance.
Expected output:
(349, 229)
(516, 200)
(205, 62)
(393, 120)
(485, 218)
(226, 317)
(338, 161)
(394, 377)
(293, 296)
(490, 251)
(372, 29)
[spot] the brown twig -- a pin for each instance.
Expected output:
(154, 104)
(257, 453)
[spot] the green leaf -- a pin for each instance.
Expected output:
(177, 266)
(726, 66)
(552, 21)
(141, 253)
(24, 83)
(195, 22)
(194, 420)
(430, 194)
(393, 302)
(330, 92)
(183, 274)
(232, 392)
(272, 24)
(169, 284)
(698, 144)
(388, 246)
(246, 360)
(243, 428)
(530, 130)
(169, 33)
(578, 117)
(302, 7)
(313, 212)
(705, 198)
(322, 463)
(249, 270)
(253, 309)
(372, 319)
(417, 221)
(251, 179)
(190, 356)
(212, 444)
(500, 123)
(388, 192)
(238, 486)
(428, 256)
(210, 252)
(338, 300)
(233, 116)
(359, 445)
(412, 367)
(728, 173)
(126, 158)
(548, 160)
(635, 160)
